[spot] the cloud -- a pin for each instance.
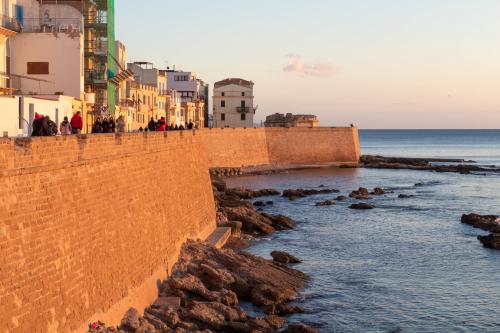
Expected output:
(297, 65)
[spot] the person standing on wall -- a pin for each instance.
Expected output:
(162, 125)
(77, 123)
(65, 127)
(120, 124)
(152, 125)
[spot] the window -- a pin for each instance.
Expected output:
(243, 116)
(243, 94)
(243, 104)
(222, 116)
(222, 104)
(223, 94)
(38, 68)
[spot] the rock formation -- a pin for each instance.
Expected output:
(491, 241)
(294, 194)
(362, 206)
(485, 222)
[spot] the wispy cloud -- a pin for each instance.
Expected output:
(297, 65)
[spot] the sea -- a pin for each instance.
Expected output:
(409, 265)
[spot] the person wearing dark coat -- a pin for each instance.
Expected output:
(49, 128)
(37, 125)
(152, 125)
(105, 126)
(112, 125)
(176, 127)
(190, 125)
(97, 127)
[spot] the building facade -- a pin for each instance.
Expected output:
(291, 120)
(141, 101)
(193, 91)
(233, 103)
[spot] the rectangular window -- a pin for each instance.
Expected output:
(222, 116)
(222, 104)
(243, 94)
(243, 104)
(243, 116)
(38, 68)
(223, 94)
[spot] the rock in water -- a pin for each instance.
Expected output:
(325, 203)
(361, 206)
(301, 193)
(341, 198)
(485, 222)
(361, 193)
(405, 196)
(284, 258)
(491, 241)
(300, 328)
(378, 191)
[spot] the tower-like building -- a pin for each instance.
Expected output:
(233, 103)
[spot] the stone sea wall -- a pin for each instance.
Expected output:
(90, 224)
(230, 148)
(87, 226)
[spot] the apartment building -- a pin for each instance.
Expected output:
(233, 103)
(142, 100)
(175, 112)
(194, 95)
(145, 73)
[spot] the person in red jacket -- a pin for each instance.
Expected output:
(162, 125)
(76, 123)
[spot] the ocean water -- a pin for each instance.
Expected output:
(409, 265)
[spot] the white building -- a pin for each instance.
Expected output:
(18, 112)
(233, 103)
(186, 83)
(47, 57)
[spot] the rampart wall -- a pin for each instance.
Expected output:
(238, 147)
(90, 224)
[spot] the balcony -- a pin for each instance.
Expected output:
(95, 49)
(243, 109)
(10, 26)
(96, 77)
(52, 25)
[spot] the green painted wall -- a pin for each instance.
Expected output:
(112, 67)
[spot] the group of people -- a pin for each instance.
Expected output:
(44, 126)
(104, 125)
(161, 126)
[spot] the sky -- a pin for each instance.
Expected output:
(374, 63)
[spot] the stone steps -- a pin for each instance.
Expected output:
(219, 237)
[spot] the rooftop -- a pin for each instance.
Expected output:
(237, 81)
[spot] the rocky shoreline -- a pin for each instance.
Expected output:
(461, 166)
(211, 284)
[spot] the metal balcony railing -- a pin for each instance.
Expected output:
(243, 109)
(52, 25)
(11, 23)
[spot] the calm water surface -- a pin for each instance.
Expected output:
(409, 265)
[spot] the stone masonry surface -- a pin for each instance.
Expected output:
(85, 221)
